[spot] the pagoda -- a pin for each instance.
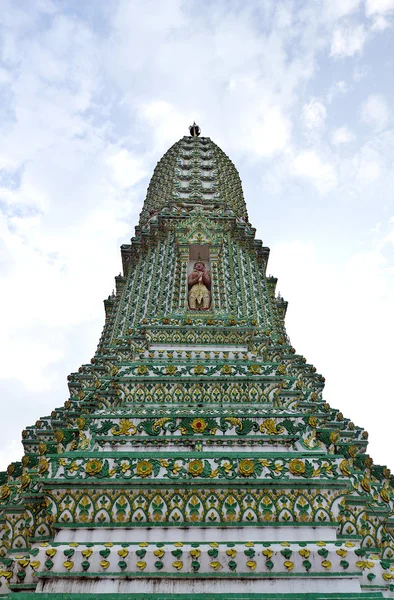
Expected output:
(196, 456)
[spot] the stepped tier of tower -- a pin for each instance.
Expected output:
(196, 454)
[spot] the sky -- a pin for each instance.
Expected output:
(298, 93)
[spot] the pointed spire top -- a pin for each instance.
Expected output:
(194, 130)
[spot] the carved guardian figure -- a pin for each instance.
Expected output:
(199, 282)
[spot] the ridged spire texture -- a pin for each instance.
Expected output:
(195, 171)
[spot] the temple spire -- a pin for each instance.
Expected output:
(196, 427)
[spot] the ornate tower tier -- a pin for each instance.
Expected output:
(196, 455)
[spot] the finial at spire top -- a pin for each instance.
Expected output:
(194, 130)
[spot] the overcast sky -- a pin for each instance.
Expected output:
(298, 94)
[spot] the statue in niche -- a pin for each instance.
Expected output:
(199, 282)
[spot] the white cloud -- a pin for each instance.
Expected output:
(127, 169)
(7, 453)
(365, 176)
(73, 193)
(360, 71)
(245, 59)
(368, 165)
(271, 133)
(348, 41)
(380, 11)
(369, 171)
(341, 135)
(379, 7)
(337, 9)
(309, 166)
(314, 115)
(348, 304)
(165, 120)
(338, 88)
(375, 112)
(380, 23)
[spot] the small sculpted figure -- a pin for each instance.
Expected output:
(199, 282)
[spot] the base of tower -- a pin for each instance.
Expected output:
(206, 595)
(205, 586)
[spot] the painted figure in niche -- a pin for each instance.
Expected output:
(199, 282)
